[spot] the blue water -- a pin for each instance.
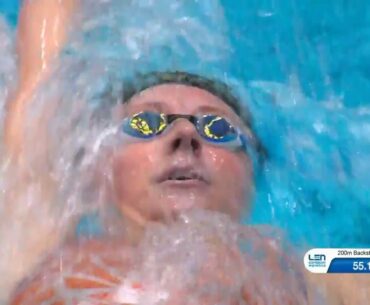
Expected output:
(10, 8)
(315, 39)
(307, 67)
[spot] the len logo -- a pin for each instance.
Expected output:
(317, 260)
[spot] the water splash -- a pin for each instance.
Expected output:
(7, 83)
(7, 65)
(298, 190)
(195, 260)
(77, 100)
(318, 169)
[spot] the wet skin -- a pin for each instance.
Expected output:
(141, 168)
(143, 193)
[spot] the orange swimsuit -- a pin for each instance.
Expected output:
(87, 272)
(94, 272)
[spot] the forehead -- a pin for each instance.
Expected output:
(178, 98)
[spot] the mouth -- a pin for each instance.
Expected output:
(183, 176)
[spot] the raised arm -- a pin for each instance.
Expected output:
(24, 239)
(41, 34)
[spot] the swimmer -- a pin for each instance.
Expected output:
(189, 147)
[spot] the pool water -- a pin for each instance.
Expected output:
(302, 67)
(299, 57)
(308, 60)
(10, 10)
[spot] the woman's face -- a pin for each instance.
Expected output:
(143, 170)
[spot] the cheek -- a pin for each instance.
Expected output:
(131, 166)
(232, 173)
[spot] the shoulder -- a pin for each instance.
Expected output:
(348, 289)
(81, 267)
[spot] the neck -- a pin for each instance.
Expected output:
(134, 223)
(133, 233)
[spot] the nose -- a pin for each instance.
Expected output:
(183, 136)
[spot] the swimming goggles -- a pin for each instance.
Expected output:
(212, 128)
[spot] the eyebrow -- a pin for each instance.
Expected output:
(212, 109)
(156, 105)
(162, 107)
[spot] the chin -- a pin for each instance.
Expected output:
(175, 205)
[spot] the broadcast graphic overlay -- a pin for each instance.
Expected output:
(341, 260)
